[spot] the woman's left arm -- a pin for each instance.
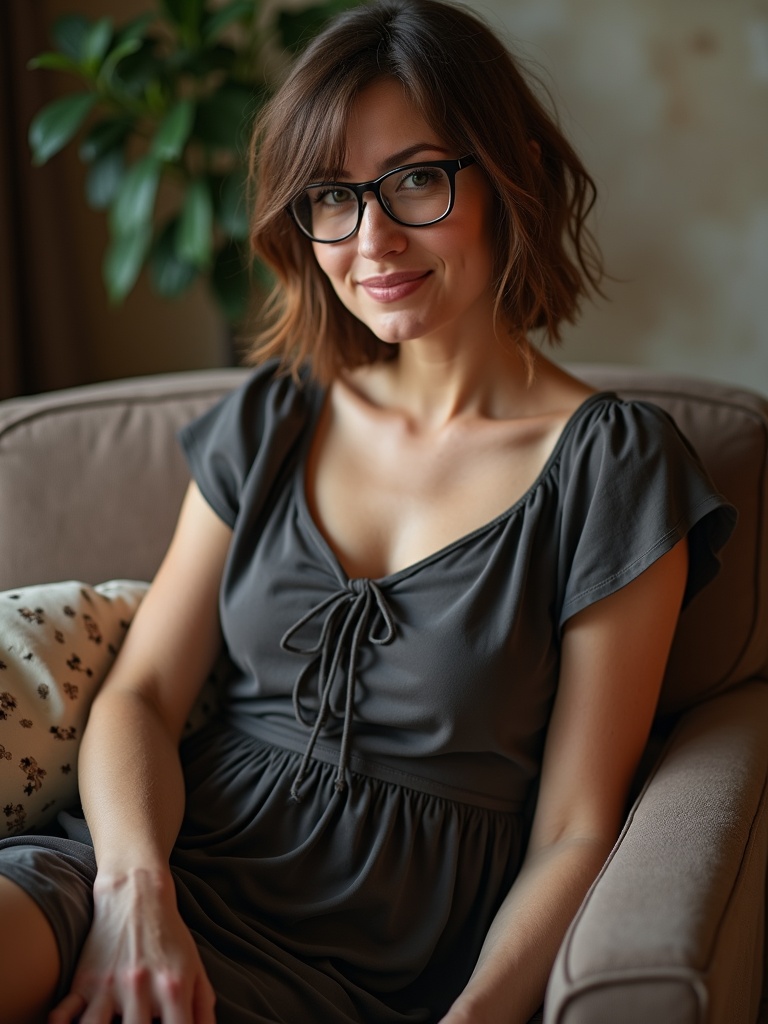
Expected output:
(613, 658)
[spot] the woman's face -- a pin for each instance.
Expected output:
(407, 283)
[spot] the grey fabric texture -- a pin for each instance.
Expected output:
(619, 490)
(52, 465)
(355, 815)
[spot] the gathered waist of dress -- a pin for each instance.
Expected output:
(462, 778)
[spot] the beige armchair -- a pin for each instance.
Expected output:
(672, 932)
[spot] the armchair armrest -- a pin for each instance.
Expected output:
(672, 930)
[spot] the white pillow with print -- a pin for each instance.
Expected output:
(57, 641)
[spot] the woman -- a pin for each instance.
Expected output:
(447, 573)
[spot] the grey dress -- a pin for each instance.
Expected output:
(357, 809)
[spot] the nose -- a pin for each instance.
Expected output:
(378, 234)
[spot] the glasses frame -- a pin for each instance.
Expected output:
(450, 167)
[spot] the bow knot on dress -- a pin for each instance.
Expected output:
(348, 618)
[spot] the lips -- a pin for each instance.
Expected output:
(391, 287)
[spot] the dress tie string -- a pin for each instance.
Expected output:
(346, 616)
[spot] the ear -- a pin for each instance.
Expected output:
(535, 149)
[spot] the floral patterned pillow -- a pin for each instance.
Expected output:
(57, 641)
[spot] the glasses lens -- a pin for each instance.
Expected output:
(418, 195)
(326, 212)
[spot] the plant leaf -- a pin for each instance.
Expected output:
(54, 62)
(169, 274)
(223, 117)
(103, 136)
(194, 238)
(69, 33)
(123, 261)
(53, 127)
(96, 44)
(173, 131)
(138, 70)
(135, 200)
(240, 10)
(231, 205)
(187, 14)
(123, 49)
(203, 62)
(134, 29)
(104, 178)
(230, 281)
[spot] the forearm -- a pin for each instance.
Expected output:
(509, 980)
(130, 775)
(131, 784)
(612, 663)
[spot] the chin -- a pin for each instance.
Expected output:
(395, 330)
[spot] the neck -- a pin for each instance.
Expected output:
(434, 385)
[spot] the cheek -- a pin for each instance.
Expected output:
(332, 260)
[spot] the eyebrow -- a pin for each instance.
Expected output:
(399, 158)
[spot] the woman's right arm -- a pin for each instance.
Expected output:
(140, 961)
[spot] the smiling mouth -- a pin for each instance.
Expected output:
(391, 287)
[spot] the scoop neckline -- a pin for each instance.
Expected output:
(317, 401)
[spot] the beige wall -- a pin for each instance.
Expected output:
(667, 102)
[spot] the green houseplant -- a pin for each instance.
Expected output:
(165, 105)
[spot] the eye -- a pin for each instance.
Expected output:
(420, 178)
(333, 196)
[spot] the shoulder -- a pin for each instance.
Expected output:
(610, 434)
(631, 487)
(251, 429)
(269, 391)
(629, 455)
(605, 417)
(268, 396)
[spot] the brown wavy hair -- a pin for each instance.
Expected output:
(468, 88)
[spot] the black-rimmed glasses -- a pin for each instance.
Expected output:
(414, 195)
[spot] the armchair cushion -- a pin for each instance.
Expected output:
(672, 929)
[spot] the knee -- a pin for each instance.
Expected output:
(31, 962)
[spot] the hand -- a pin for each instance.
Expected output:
(139, 961)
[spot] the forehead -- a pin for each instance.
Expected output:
(385, 124)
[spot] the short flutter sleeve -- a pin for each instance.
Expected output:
(632, 487)
(236, 448)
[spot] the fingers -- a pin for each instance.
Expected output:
(76, 1007)
(68, 1009)
(175, 1004)
(136, 1001)
(174, 998)
(204, 1002)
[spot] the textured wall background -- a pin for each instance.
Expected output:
(667, 103)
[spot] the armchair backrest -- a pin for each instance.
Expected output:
(91, 480)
